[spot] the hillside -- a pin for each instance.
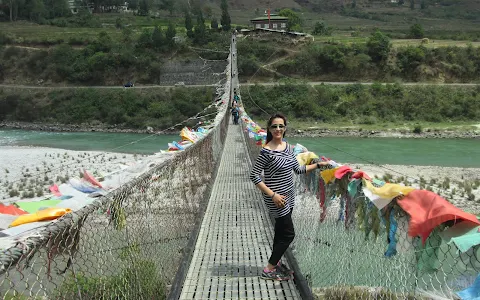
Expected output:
(467, 6)
(451, 15)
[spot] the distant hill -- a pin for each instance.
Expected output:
(435, 8)
(325, 5)
(392, 15)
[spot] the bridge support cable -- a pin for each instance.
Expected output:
(347, 248)
(235, 236)
(128, 243)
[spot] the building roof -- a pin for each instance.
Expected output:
(275, 18)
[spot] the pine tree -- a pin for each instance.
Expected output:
(144, 8)
(225, 20)
(188, 24)
(200, 30)
(423, 4)
(214, 24)
(158, 40)
(170, 34)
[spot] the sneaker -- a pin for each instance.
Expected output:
(283, 268)
(274, 275)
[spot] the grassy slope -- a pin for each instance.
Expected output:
(389, 16)
(383, 15)
(31, 33)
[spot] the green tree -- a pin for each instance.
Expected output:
(60, 8)
(195, 6)
(168, 5)
(379, 46)
(158, 39)
(144, 40)
(294, 20)
(127, 35)
(214, 24)
(225, 19)
(188, 24)
(200, 30)
(412, 4)
(423, 4)
(143, 7)
(416, 31)
(35, 10)
(133, 4)
(170, 34)
(103, 43)
(13, 7)
(321, 29)
(119, 23)
(207, 11)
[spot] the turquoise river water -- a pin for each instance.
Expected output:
(434, 152)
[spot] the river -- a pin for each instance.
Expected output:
(432, 152)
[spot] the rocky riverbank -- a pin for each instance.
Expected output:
(395, 133)
(314, 132)
(57, 127)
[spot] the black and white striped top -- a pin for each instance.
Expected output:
(278, 168)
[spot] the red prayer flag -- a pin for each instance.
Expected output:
(427, 210)
(11, 210)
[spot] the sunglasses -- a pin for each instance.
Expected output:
(275, 126)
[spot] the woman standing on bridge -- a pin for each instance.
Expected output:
(278, 162)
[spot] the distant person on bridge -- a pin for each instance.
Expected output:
(278, 162)
(235, 113)
(236, 98)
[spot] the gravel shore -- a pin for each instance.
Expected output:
(31, 170)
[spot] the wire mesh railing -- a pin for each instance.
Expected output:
(128, 244)
(347, 248)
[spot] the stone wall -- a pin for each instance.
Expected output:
(193, 72)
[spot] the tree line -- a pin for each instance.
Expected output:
(133, 108)
(35, 10)
(361, 104)
(42, 10)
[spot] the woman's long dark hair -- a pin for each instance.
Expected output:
(269, 123)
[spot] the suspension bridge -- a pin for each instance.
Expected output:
(191, 225)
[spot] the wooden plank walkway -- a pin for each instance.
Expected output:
(236, 235)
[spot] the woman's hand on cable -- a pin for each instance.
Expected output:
(279, 200)
(323, 163)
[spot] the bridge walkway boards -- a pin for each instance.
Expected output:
(235, 237)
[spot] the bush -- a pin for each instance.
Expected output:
(4, 39)
(119, 23)
(370, 120)
(13, 193)
(417, 129)
(351, 293)
(470, 197)
(416, 31)
(321, 28)
(137, 281)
